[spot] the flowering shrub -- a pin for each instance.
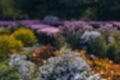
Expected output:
(9, 44)
(7, 72)
(42, 54)
(25, 35)
(25, 68)
(68, 66)
(87, 37)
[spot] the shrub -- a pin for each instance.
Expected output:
(26, 68)
(45, 39)
(112, 51)
(68, 66)
(116, 36)
(7, 72)
(114, 47)
(87, 37)
(25, 35)
(98, 46)
(71, 40)
(42, 54)
(117, 57)
(60, 40)
(74, 40)
(9, 44)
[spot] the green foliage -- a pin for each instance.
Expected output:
(45, 39)
(71, 40)
(66, 9)
(9, 44)
(103, 9)
(60, 40)
(116, 36)
(74, 40)
(98, 46)
(114, 47)
(7, 72)
(89, 14)
(112, 51)
(103, 48)
(7, 8)
(26, 36)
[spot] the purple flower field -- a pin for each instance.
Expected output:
(51, 27)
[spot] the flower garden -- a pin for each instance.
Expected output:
(51, 49)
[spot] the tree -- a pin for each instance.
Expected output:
(7, 8)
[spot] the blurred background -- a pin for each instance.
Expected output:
(64, 9)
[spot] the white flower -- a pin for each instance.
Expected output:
(68, 66)
(65, 67)
(87, 35)
(24, 67)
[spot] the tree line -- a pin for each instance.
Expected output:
(64, 9)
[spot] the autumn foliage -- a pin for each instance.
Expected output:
(42, 53)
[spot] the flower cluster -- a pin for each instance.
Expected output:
(66, 67)
(26, 36)
(87, 36)
(9, 44)
(25, 68)
(41, 54)
(74, 26)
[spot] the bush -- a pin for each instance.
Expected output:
(60, 40)
(7, 72)
(117, 53)
(112, 51)
(25, 68)
(41, 54)
(74, 40)
(68, 66)
(98, 46)
(26, 36)
(116, 36)
(9, 44)
(71, 40)
(114, 47)
(45, 39)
